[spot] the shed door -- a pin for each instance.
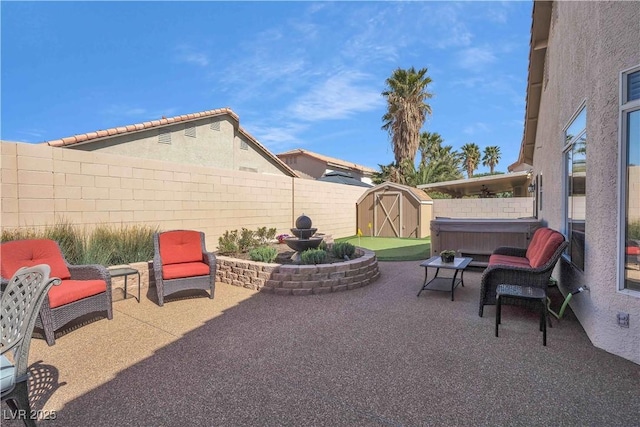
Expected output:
(387, 214)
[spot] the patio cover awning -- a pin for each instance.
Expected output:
(516, 182)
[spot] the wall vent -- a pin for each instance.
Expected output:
(190, 130)
(246, 169)
(244, 145)
(164, 136)
(215, 126)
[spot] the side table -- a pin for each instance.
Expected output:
(525, 293)
(125, 272)
(447, 284)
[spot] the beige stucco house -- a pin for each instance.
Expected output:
(314, 165)
(582, 138)
(212, 138)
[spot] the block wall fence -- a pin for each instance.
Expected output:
(42, 184)
(511, 207)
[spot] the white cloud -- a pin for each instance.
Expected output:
(475, 57)
(446, 27)
(37, 133)
(339, 96)
(190, 55)
(476, 128)
(278, 138)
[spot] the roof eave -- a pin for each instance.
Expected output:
(540, 25)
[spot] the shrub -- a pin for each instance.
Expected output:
(247, 240)
(264, 235)
(228, 243)
(263, 254)
(313, 256)
(342, 249)
(105, 244)
(72, 241)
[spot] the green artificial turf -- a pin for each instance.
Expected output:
(393, 248)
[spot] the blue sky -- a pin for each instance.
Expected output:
(299, 74)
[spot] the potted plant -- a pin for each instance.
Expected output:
(447, 255)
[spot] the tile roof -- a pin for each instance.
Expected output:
(164, 121)
(338, 162)
(84, 137)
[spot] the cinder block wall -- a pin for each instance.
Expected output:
(513, 207)
(42, 184)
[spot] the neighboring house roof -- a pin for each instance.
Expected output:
(343, 178)
(99, 135)
(474, 186)
(330, 160)
(541, 23)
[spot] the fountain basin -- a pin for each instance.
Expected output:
(301, 245)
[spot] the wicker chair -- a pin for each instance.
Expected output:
(181, 262)
(530, 266)
(21, 301)
(85, 288)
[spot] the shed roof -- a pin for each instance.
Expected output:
(417, 194)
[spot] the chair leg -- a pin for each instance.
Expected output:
(18, 400)
(543, 319)
(498, 309)
(47, 326)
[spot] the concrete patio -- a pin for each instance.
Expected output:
(377, 355)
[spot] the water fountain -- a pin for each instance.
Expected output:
(303, 233)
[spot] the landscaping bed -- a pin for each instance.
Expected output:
(294, 279)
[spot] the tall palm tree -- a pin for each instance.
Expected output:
(407, 111)
(470, 157)
(491, 157)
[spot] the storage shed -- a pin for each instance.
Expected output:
(394, 210)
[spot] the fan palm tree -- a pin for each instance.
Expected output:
(407, 111)
(491, 157)
(470, 157)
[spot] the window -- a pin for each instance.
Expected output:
(575, 158)
(630, 180)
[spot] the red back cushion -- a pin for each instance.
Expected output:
(537, 242)
(180, 246)
(546, 249)
(27, 253)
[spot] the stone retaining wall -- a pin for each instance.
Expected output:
(283, 279)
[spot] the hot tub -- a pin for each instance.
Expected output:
(477, 238)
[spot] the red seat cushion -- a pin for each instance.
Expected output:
(180, 246)
(27, 253)
(187, 269)
(515, 261)
(633, 250)
(73, 290)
